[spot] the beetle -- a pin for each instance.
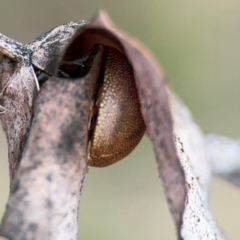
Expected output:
(116, 124)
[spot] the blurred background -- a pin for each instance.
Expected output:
(198, 45)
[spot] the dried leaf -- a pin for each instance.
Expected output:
(17, 74)
(153, 98)
(47, 48)
(198, 221)
(224, 158)
(45, 195)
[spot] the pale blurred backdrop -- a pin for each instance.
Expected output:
(198, 45)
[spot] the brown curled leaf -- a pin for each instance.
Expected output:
(35, 163)
(47, 47)
(153, 98)
(198, 221)
(18, 82)
(45, 195)
(18, 89)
